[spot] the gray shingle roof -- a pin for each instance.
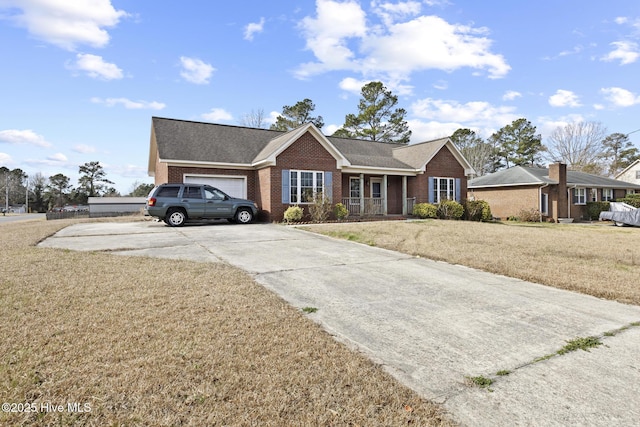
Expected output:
(417, 155)
(522, 175)
(207, 142)
(368, 153)
(182, 140)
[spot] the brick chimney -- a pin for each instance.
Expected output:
(560, 204)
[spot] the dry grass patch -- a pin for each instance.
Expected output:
(598, 260)
(154, 342)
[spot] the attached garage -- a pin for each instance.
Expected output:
(235, 186)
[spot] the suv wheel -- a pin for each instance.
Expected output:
(244, 216)
(175, 217)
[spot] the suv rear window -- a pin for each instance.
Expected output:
(171, 191)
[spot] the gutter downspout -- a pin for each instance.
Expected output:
(540, 200)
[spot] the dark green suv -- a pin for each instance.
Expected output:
(179, 203)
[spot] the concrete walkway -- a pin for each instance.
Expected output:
(430, 324)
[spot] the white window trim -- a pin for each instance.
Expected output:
(580, 194)
(357, 179)
(451, 188)
(374, 181)
(299, 187)
(593, 194)
(607, 194)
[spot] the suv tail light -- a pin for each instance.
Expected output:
(152, 201)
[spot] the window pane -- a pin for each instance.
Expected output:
(293, 188)
(375, 190)
(354, 187)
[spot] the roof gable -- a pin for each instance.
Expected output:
(277, 145)
(419, 155)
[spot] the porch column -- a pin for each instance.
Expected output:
(384, 195)
(361, 194)
(405, 208)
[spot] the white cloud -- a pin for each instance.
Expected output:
(510, 95)
(470, 114)
(6, 159)
(564, 98)
(441, 85)
(340, 39)
(96, 67)
(625, 51)
(546, 125)
(620, 97)
(272, 118)
(427, 131)
(19, 137)
(84, 149)
(129, 171)
(128, 104)
(349, 84)
(253, 28)
(327, 36)
(196, 71)
(390, 12)
(217, 115)
(58, 157)
(330, 129)
(66, 23)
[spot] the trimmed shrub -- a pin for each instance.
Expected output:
(594, 209)
(450, 209)
(631, 199)
(477, 210)
(340, 211)
(293, 214)
(425, 210)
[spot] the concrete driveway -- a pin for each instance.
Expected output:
(430, 324)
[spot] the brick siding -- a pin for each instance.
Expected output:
(304, 154)
(509, 202)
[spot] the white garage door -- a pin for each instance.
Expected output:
(233, 186)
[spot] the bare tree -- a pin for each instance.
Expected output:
(254, 119)
(578, 145)
(478, 153)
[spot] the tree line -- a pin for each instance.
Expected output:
(42, 193)
(583, 146)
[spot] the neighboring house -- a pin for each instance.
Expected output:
(555, 192)
(631, 173)
(281, 169)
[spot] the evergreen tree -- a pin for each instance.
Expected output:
(297, 115)
(377, 119)
(518, 144)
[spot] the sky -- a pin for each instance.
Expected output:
(80, 80)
